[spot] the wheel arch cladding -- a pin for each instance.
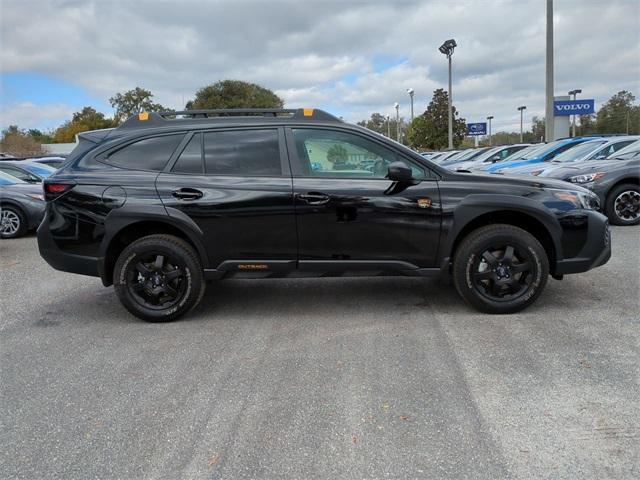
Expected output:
(124, 227)
(476, 211)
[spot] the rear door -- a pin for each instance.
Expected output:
(235, 184)
(349, 215)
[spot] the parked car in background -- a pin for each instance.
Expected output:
(21, 206)
(489, 157)
(464, 156)
(26, 170)
(545, 153)
(54, 162)
(444, 156)
(597, 149)
(616, 181)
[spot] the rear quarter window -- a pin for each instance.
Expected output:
(151, 153)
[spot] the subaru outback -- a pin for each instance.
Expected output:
(170, 201)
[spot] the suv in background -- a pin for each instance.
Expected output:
(169, 200)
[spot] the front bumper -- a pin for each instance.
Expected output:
(595, 252)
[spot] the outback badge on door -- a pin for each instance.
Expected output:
(424, 202)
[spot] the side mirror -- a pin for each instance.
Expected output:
(495, 158)
(399, 172)
(602, 156)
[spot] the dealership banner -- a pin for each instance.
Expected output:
(477, 128)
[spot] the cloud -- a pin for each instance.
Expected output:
(327, 53)
(30, 115)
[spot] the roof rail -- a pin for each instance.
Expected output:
(155, 119)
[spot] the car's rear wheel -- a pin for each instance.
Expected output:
(500, 269)
(13, 223)
(623, 205)
(158, 278)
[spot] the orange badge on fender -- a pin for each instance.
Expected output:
(424, 202)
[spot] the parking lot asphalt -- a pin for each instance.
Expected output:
(320, 378)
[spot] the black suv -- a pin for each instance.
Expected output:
(167, 201)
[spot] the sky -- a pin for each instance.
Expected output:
(351, 58)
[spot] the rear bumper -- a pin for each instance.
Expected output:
(596, 251)
(61, 260)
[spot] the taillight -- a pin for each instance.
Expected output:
(55, 189)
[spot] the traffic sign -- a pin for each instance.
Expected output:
(573, 107)
(477, 128)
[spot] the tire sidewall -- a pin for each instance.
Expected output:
(132, 254)
(468, 254)
(610, 208)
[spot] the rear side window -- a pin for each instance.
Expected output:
(190, 160)
(148, 154)
(242, 152)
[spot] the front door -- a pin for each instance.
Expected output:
(235, 185)
(349, 214)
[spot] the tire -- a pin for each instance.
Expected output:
(623, 205)
(13, 222)
(500, 269)
(159, 278)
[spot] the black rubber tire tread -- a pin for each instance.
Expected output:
(176, 246)
(609, 207)
(22, 229)
(474, 244)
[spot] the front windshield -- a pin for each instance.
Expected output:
(6, 179)
(483, 157)
(579, 151)
(541, 151)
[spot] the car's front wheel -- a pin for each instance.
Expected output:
(13, 223)
(623, 205)
(158, 278)
(500, 269)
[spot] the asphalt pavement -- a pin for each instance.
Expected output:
(320, 378)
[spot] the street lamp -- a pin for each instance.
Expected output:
(490, 117)
(410, 92)
(522, 109)
(447, 49)
(388, 127)
(397, 107)
(573, 123)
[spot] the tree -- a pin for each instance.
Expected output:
(431, 129)
(234, 94)
(39, 136)
(19, 143)
(537, 127)
(586, 125)
(337, 154)
(619, 115)
(133, 102)
(86, 119)
(378, 123)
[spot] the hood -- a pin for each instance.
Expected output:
(24, 188)
(526, 181)
(580, 168)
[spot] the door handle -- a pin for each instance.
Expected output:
(314, 198)
(187, 194)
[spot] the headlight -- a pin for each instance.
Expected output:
(584, 200)
(589, 177)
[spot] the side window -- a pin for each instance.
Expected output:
(620, 145)
(190, 160)
(329, 153)
(16, 172)
(242, 152)
(149, 154)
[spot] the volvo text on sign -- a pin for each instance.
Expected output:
(573, 107)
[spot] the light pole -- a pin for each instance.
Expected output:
(549, 126)
(490, 117)
(522, 109)
(388, 127)
(410, 92)
(573, 123)
(397, 107)
(447, 49)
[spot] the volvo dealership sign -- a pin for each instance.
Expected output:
(573, 107)
(477, 128)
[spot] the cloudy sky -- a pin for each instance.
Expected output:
(349, 57)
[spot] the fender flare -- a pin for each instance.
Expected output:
(473, 206)
(123, 217)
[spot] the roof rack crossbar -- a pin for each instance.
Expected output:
(267, 112)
